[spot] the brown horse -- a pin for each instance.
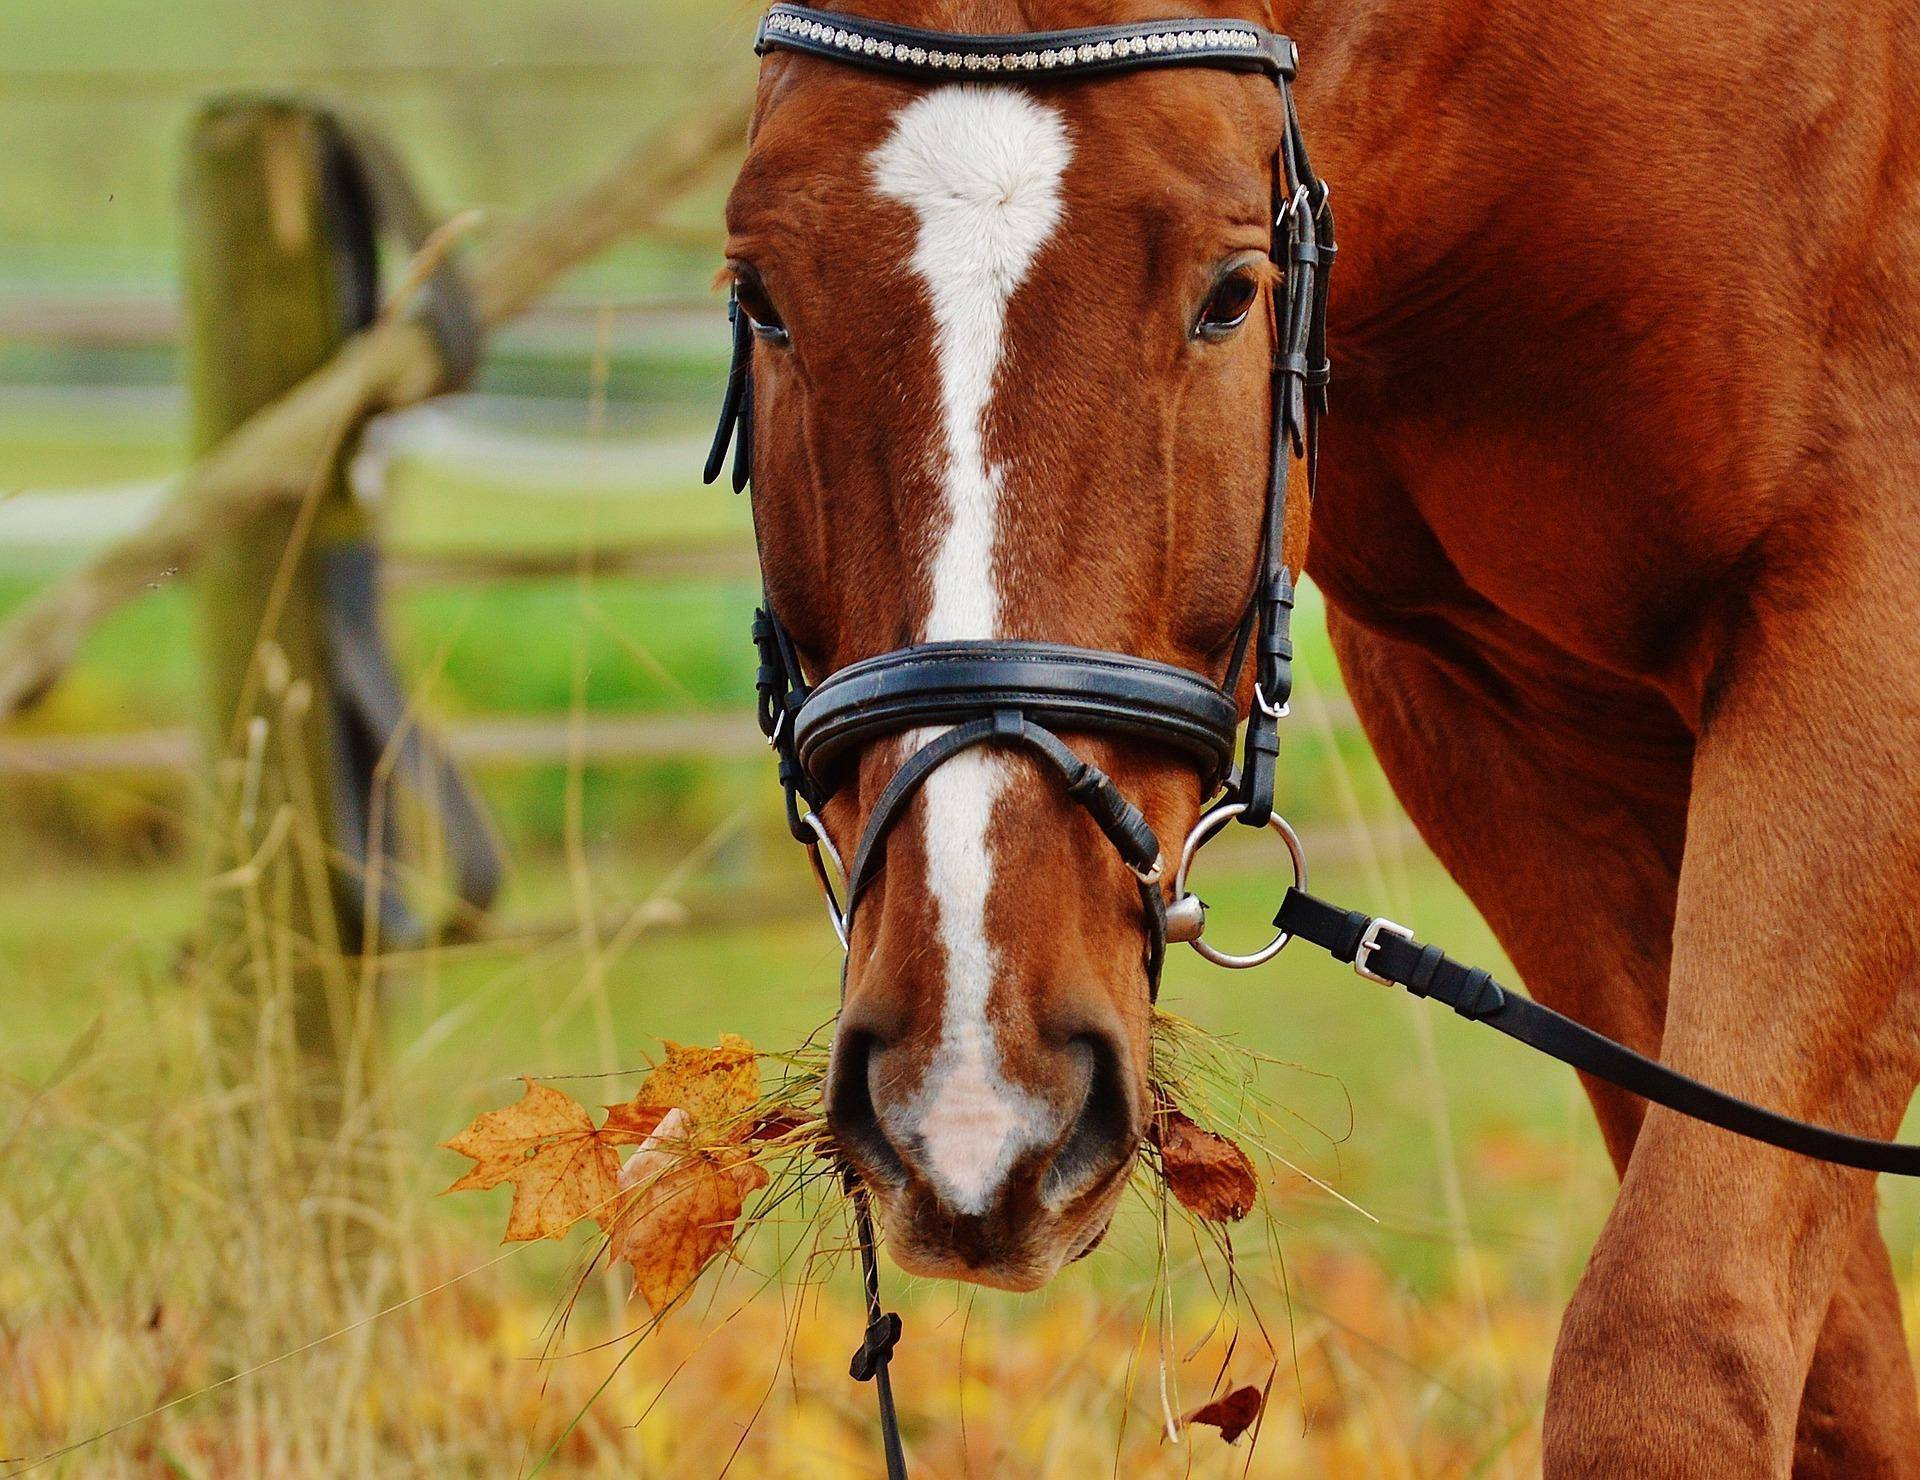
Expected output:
(1617, 534)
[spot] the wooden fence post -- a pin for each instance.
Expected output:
(315, 746)
(274, 285)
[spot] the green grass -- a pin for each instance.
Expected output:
(435, 508)
(53, 456)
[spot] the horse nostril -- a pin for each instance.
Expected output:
(1104, 1130)
(851, 1115)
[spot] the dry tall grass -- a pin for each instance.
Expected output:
(193, 1289)
(182, 1301)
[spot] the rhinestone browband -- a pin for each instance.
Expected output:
(910, 51)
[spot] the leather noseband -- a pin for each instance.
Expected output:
(1069, 688)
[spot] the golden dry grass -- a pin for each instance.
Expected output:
(193, 1291)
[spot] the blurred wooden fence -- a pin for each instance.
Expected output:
(279, 454)
(93, 319)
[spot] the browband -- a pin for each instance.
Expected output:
(1054, 685)
(1029, 56)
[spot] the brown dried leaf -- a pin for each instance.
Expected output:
(717, 1087)
(562, 1168)
(779, 1124)
(1233, 1413)
(630, 1124)
(1213, 1178)
(681, 1209)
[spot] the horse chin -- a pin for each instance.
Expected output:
(1093, 1240)
(1018, 1278)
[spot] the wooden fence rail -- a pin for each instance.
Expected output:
(281, 454)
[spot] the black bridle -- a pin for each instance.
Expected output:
(1017, 694)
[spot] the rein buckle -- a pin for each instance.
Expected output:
(1370, 942)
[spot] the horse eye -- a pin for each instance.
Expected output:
(758, 307)
(1228, 305)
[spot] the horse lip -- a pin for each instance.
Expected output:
(1092, 1241)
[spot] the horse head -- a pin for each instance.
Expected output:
(1011, 347)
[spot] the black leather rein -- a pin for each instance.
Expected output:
(1382, 951)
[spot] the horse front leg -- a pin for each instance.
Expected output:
(1578, 876)
(1688, 1345)
(1857, 1410)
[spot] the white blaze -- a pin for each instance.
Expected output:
(980, 168)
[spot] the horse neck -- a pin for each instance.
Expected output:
(1408, 110)
(1466, 241)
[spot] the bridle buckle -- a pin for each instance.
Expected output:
(1370, 942)
(823, 844)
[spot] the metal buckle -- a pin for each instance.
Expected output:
(1298, 201)
(1267, 707)
(1370, 942)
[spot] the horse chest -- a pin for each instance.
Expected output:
(1519, 540)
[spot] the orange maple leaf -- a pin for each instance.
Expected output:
(682, 1205)
(717, 1087)
(1212, 1177)
(561, 1167)
(1232, 1413)
(677, 1204)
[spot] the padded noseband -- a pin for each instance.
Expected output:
(1060, 687)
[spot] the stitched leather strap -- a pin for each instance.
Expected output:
(1085, 784)
(1426, 971)
(1060, 687)
(736, 406)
